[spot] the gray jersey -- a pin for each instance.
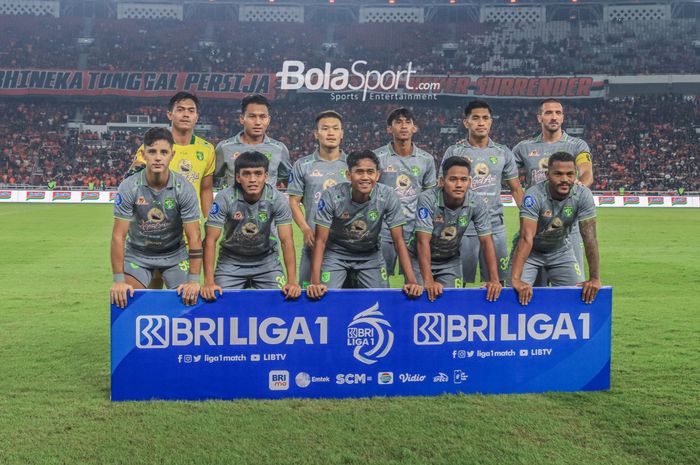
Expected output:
(156, 216)
(555, 218)
(532, 155)
(276, 152)
(491, 166)
(354, 227)
(311, 175)
(408, 176)
(448, 226)
(247, 227)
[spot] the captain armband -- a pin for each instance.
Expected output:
(583, 157)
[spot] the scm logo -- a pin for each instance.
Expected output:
(352, 378)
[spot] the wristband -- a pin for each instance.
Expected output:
(118, 277)
(193, 278)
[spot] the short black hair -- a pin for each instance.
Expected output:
(548, 100)
(474, 104)
(255, 98)
(251, 159)
(328, 114)
(560, 156)
(399, 113)
(456, 161)
(354, 158)
(153, 135)
(180, 96)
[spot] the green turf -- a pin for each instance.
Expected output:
(54, 371)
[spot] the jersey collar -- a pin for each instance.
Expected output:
(237, 139)
(390, 147)
(441, 197)
(317, 156)
(564, 137)
(490, 144)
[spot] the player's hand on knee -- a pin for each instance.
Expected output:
(291, 291)
(189, 292)
(493, 290)
(208, 291)
(316, 291)
(524, 291)
(118, 293)
(413, 290)
(434, 290)
(590, 290)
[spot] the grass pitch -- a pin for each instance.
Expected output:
(54, 371)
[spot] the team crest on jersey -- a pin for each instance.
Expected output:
(185, 166)
(316, 174)
(343, 172)
(249, 229)
(238, 216)
(403, 181)
(200, 156)
(262, 217)
(568, 211)
(329, 183)
(268, 155)
(155, 215)
(533, 153)
(415, 170)
(141, 201)
(493, 160)
(169, 203)
(449, 233)
(373, 215)
(390, 169)
(463, 221)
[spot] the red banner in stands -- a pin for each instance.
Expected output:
(237, 85)
(134, 84)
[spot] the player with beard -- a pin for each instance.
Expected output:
(531, 155)
(549, 211)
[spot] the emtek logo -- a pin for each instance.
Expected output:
(152, 332)
(279, 380)
(429, 329)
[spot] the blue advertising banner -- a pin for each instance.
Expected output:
(358, 343)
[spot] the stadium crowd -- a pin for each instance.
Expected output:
(635, 47)
(637, 143)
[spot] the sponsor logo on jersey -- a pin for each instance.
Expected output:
(238, 216)
(316, 174)
(214, 209)
(529, 201)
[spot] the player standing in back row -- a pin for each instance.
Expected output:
(491, 165)
(532, 155)
(406, 169)
(255, 119)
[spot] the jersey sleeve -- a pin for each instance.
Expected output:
(325, 209)
(296, 180)
(510, 169)
(211, 161)
(393, 210)
(285, 167)
(586, 209)
(430, 178)
(280, 210)
(219, 210)
(425, 212)
(583, 153)
(530, 208)
(124, 202)
(518, 155)
(450, 152)
(189, 204)
(481, 219)
(220, 161)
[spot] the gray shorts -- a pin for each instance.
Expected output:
(449, 273)
(470, 251)
(365, 274)
(259, 275)
(173, 267)
(389, 250)
(577, 244)
(560, 266)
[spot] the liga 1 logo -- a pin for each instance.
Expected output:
(295, 76)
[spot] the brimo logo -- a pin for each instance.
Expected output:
(293, 77)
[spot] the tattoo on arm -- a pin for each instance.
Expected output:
(590, 243)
